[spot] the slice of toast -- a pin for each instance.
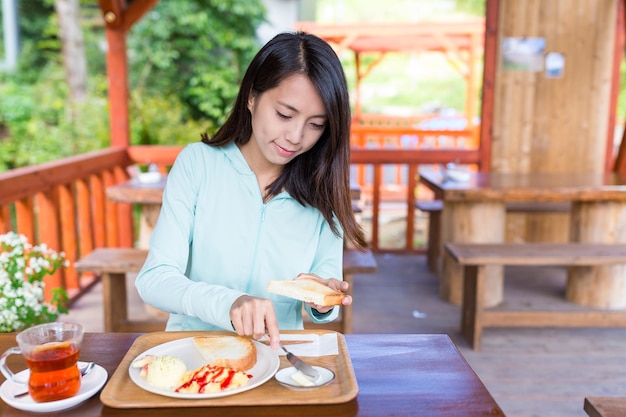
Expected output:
(236, 352)
(308, 290)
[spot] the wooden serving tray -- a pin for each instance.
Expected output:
(122, 392)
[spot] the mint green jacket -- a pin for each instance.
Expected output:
(216, 240)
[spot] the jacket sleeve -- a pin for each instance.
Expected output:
(328, 263)
(162, 282)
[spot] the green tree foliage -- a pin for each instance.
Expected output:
(194, 52)
(34, 127)
(186, 58)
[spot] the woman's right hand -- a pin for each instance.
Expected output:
(255, 317)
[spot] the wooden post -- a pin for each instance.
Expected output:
(117, 74)
(119, 18)
(476, 222)
(598, 286)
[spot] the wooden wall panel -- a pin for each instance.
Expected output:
(560, 124)
(543, 124)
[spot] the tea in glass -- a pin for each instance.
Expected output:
(51, 352)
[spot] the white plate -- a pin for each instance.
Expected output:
(91, 383)
(267, 363)
(284, 377)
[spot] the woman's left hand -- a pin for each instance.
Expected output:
(333, 283)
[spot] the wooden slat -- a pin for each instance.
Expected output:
(376, 205)
(48, 233)
(410, 198)
(537, 254)
(84, 213)
(98, 208)
(5, 219)
(68, 236)
(124, 213)
(111, 230)
(551, 318)
(24, 214)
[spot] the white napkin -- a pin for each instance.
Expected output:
(320, 345)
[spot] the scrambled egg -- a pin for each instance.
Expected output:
(161, 371)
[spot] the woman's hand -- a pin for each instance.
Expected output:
(255, 317)
(333, 283)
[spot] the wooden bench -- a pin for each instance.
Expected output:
(113, 264)
(435, 207)
(473, 257)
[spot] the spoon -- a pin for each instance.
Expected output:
(84, 370)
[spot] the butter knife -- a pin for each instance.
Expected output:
(301, 366)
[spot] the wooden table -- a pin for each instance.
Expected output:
(148, 195)
(605, 406)
(474, 212)
(400, 375)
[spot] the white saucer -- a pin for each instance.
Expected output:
(90, 384)
(284, 378)
(149, 177)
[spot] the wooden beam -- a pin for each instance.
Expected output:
(619, 165)
(120, 14)
(135, 12)
(119, 17)
(112, 12)
(117, 74)
(489, 79)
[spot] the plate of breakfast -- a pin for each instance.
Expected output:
(204, 367)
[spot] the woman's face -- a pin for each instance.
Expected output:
(286, 121)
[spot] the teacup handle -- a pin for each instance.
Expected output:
(8, 373)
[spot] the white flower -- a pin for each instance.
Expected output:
(23, 268)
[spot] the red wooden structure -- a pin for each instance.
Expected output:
(461, 42)
(64, 204)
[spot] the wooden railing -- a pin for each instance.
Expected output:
(63, 203)
(411, 159)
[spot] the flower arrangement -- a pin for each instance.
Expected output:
(22, 271)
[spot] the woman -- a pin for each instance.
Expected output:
(266, 198)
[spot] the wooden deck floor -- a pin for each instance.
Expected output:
(530, 372)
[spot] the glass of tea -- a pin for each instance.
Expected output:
(51, 352)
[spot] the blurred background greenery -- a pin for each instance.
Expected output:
(185, 60)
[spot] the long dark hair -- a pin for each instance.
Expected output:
(321, 176)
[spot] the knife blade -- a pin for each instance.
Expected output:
(301, 366)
